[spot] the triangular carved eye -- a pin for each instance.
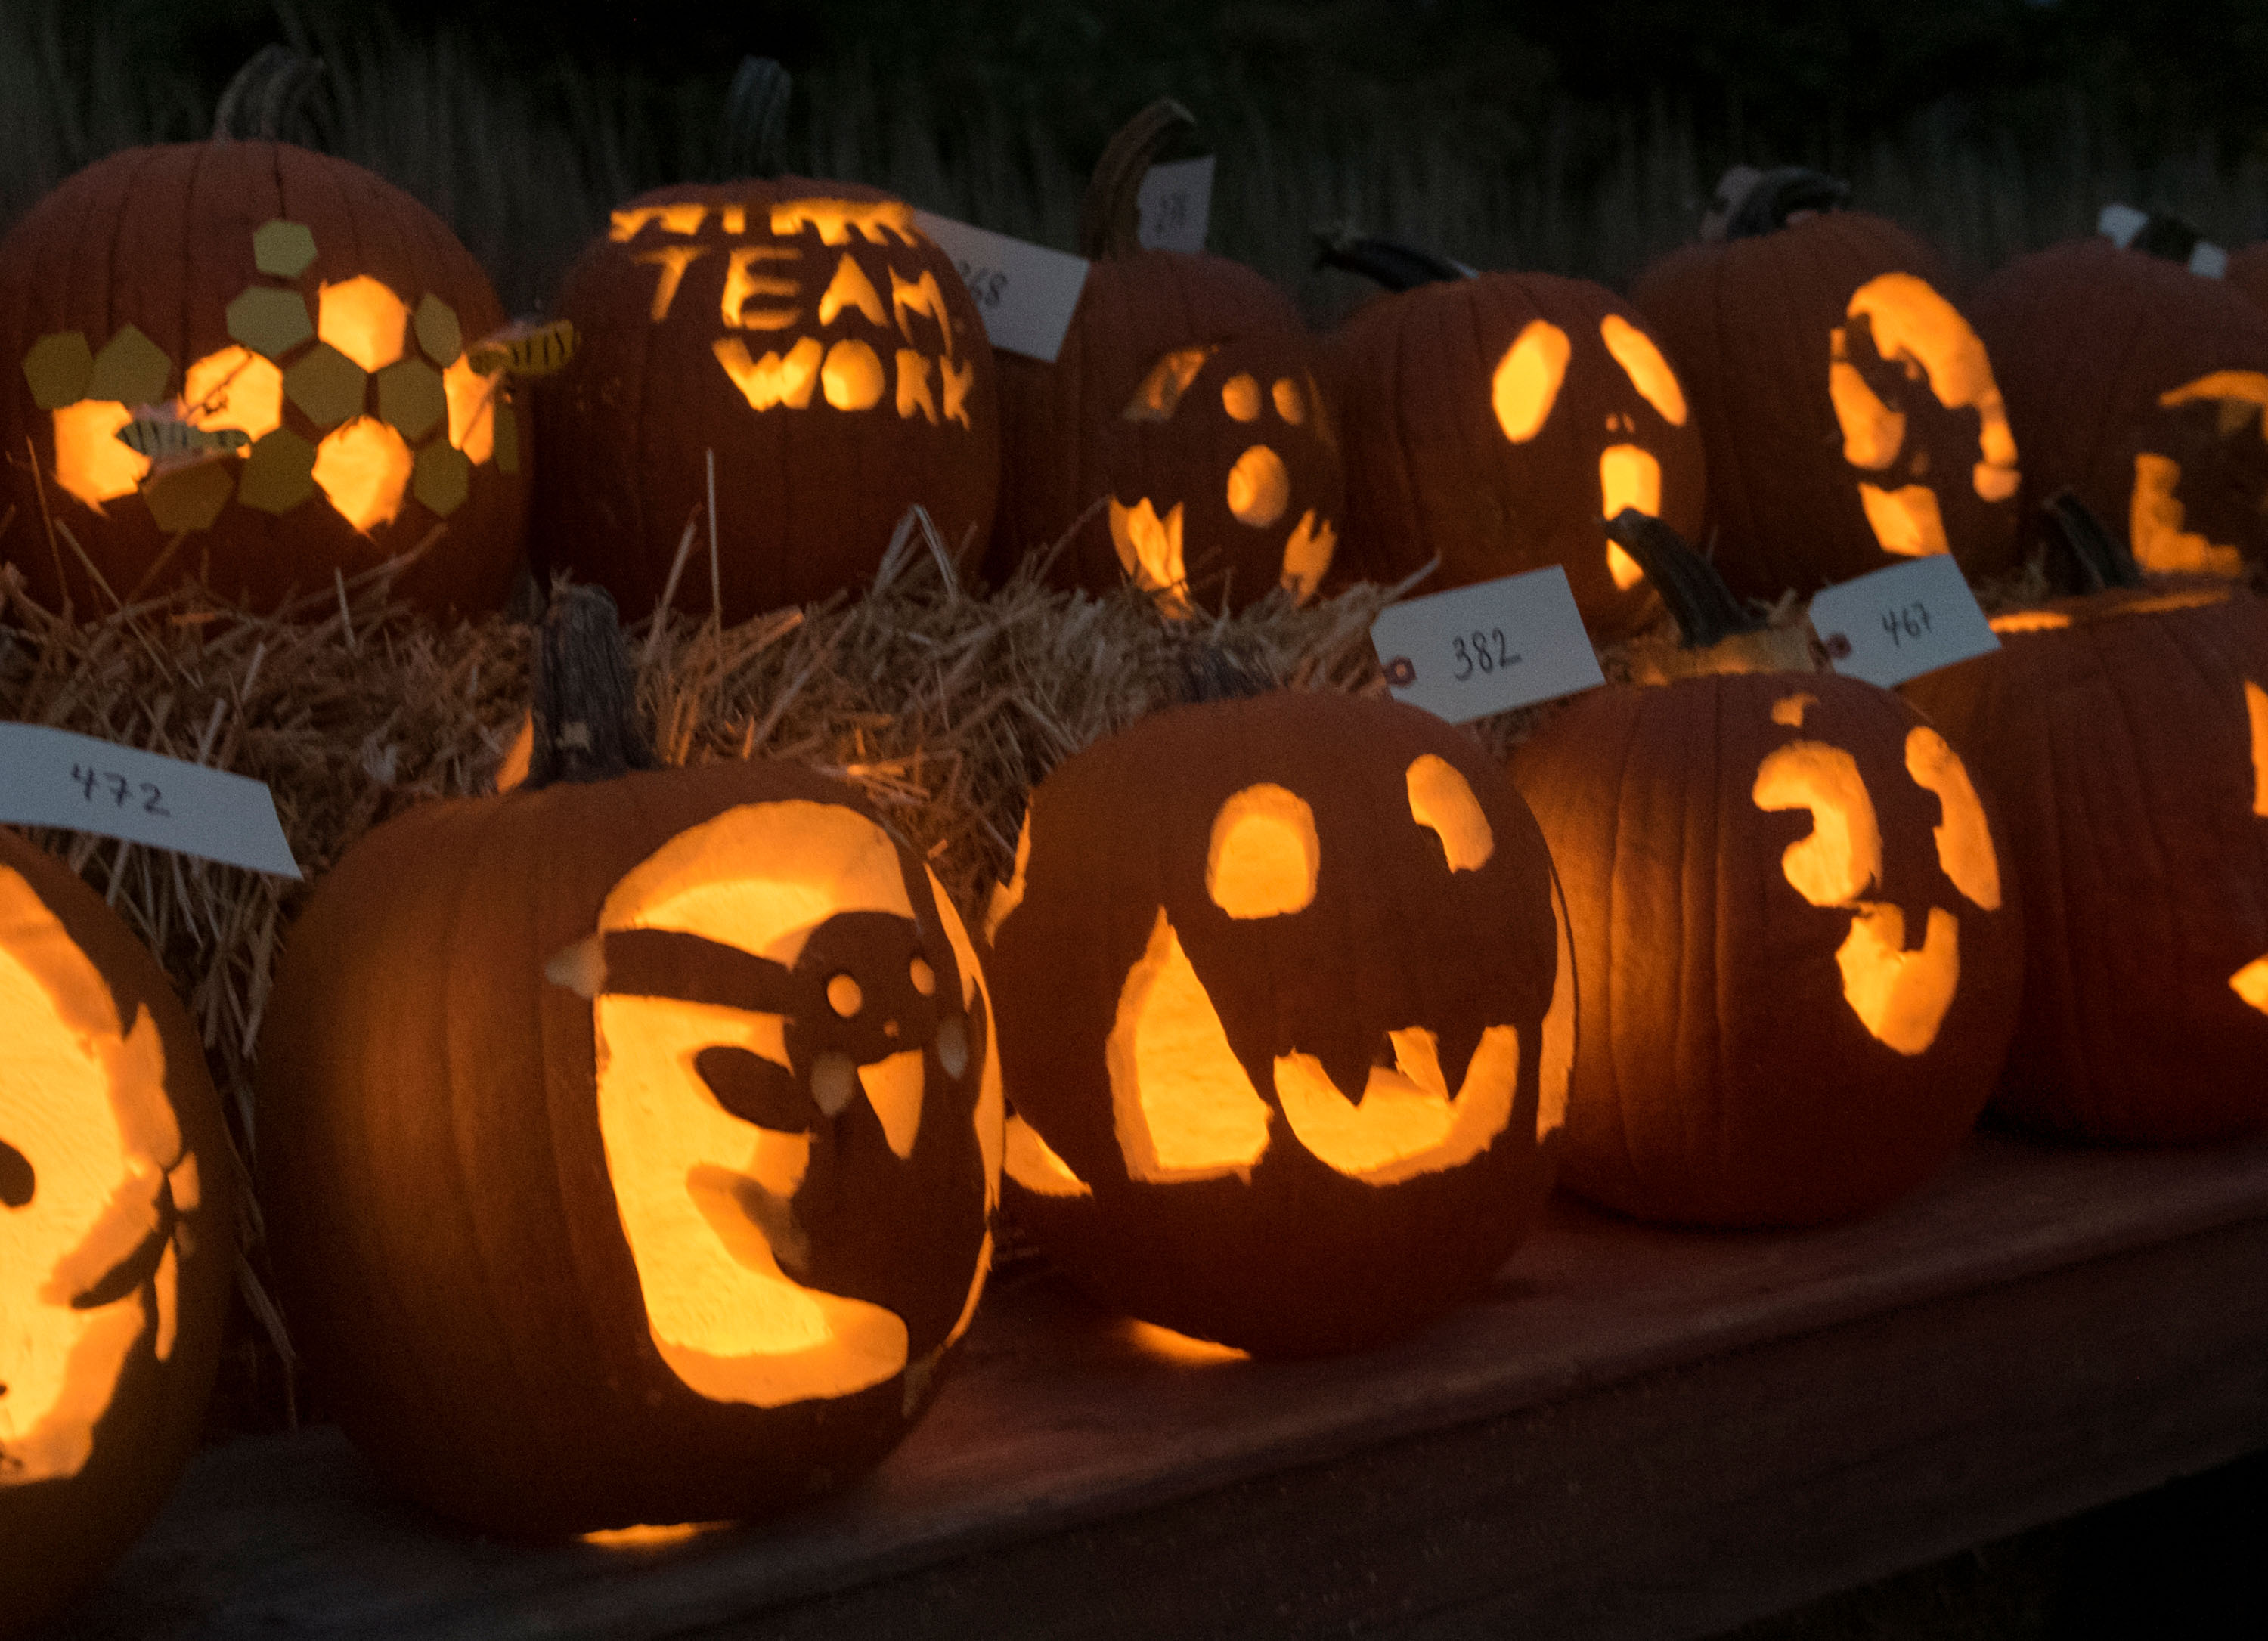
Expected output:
(1160, 395)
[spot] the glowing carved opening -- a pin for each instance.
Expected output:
(731, 1323)
(1034, 1165)
(1629, 476)
(1150, 551)
(1307, 555)
(363, 468)
(2249, 983)
(1240, 396)
(1905, 520)
(2244, 386)
(2154, 518)
(236, 388)
(837, 220)
(1159, 392)
(1290, 404)
(1263, 855)
(1183, 1108)
(742, 287)
(91, 462)
(852, 376)
(1913, 324)
(1259, 488)
(1843, 853)
(851, 288)
(2030, 621)
(363, 319)
(1183, 1350)
(673, 260)
(1527, 379)
(1407, 1122)
(1556, 1066)
(1964, 842)
(1009, 895)
(472, 410)
(1899, 997)
(83, 1111)
(1442, 801)
(1873, 433)
(772, 380)
(2255, 708)
(1648, 371)
(1789, 709)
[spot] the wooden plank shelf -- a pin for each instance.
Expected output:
(1637, 1432)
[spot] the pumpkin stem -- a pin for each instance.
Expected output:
(266, 95)
(2101, 558)
(1396, 266)
(1751, 203)
(1109, 219)
(755, 120)
(1703, 606)
(586, 709)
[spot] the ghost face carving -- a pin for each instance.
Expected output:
(790, 1049)
(1225, 473)
(1260, 1102)
(2127, 738)
(1796, 1011)
(1499, 421)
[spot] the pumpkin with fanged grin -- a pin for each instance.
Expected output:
(116, 1235)
(1285, 1013)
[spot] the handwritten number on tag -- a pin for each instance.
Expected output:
(93, 783)
(985, 285)
(1481, 651)
(1910, 620)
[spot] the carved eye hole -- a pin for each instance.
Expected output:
(1160, 395)
(1527, 379)
(844, 995)
(923, 977)
(16, 1179)
(1442, 801)
(1648, 371)
(1240, 396)
(1264, 854)
(1291, 404)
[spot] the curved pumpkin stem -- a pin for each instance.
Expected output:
(1109, 224)
(1396, 266)
(588, 726)
(266, 95)
(1753, 203)
(754, 142)
(2101, 558)
(1703, 606)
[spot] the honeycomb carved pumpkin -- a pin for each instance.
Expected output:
(2140, 386)
(1497, 421)
(1801, 960)
(1183, 432)
(688, 1231)
(2126, 734)
(1269, 1087)
(116, 1235)
(1852, 414)
(287, 335)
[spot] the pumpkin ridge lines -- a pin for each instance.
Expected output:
(1612, 989)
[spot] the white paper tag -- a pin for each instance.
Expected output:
(1175, 204)
(53, 777)
(1900, 623)
(1026, 292)
(1487, 648)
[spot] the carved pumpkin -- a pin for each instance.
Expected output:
(117, 1235)
(629, 1141)
(287, 333)
(1800, 965)
(2126, 734)
(1285, 1018)
(1184, 427)
(808, 338)
(2139, 386)
(1850, 413)
(1498, 420)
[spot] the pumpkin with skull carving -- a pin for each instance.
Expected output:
(1850, 413)
(1494, 421)
(1801, 957)
(630, 1145)
(1285, 1016)
(116, 1235)
(2141, 387)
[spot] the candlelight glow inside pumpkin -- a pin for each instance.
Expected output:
(2250, 981)
(709, 1108)
(2156, 513)
(94, 1179)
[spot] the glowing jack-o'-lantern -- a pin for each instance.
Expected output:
(2139, 386)
(746, 1034)
(797, 353)
(264, 384)
(1497, 422)
(1263, 1095)
(115, 1247)
(1182, 437)
(1800, 965)
(1852, 415)
(2126, 734)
